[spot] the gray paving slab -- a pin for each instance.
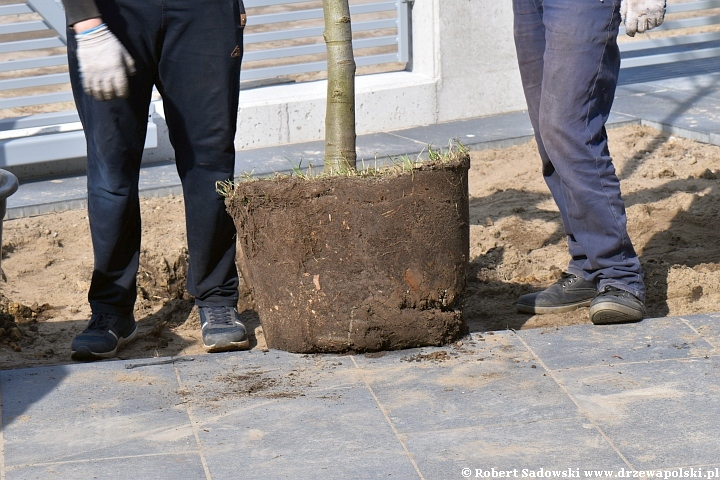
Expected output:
(63, 192)
(83, 412)
(381, 145)
(617, 119)
(290, 416)
(162, 466)
(638, 89)
(511, 127)
(37, 197)
(279, 159)
(669, 71)
(492, 382)
(45, 195)
(693, 116)
(372, 149)
(658, 414)
(707, 325)
(569, 445)
(702, 86)
(495, 131)
(651, 339)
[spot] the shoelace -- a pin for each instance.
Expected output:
(566, 279)
(615, 291)
(218, 316)
(100, 322)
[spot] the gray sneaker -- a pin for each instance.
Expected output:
(613, 305)
(567, 294)
(222, 329)
(104, 336)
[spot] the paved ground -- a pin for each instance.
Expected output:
(576, 399)
(573, 402)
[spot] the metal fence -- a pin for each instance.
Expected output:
(283, 43)
(691, 31)
(283, 40)
(32, 56)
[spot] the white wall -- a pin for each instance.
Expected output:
(478, 72)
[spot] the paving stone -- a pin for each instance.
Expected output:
(708, 325)
(484, 382)
(586, 345)
(659, 414)
(378, 145)
(569, 445)
(82, 412)
(696, 116)
(279, 159)
(160, 466)
(290, 416)
(638, 89)
(473, 131)
(670, 71)
(698, 85)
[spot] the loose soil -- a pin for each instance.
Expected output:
(517, 245)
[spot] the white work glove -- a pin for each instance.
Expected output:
(641, 15)
(104, 64)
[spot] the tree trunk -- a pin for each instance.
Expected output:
(340, 111)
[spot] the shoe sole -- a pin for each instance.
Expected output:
(225, 346)
(524, 308)
(608, 313)
(85, 355)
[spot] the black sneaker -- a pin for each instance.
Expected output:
(567, 294)
(613, 305)
(103, 337)
(222, 329)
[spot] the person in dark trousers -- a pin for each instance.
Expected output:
(569, 63)
(191, 51)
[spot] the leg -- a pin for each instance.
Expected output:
(529, 32)
(199, 80)
(115, 133)
(581, 38)
(571, 291)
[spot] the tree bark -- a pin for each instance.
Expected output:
(340, 151)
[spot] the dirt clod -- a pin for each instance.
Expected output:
(439, 356)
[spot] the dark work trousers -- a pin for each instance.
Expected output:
(191, 50)
(569, 63)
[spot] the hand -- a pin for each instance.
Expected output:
(641, 15)
(104, 62)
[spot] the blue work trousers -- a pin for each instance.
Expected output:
(191, 50)
(569, 63)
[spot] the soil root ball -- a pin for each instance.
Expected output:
(357, 263)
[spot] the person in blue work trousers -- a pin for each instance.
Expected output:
(191, 51)
(569, 63)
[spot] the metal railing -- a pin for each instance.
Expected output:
(284, 43)
(279, 44)
(32, 54)
(691, 31)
